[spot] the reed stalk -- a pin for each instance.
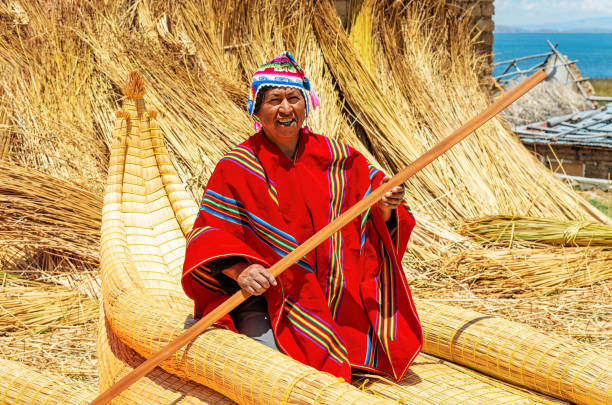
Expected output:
(495, 228)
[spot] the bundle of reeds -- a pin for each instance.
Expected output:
(116, 359)
(200, 121)
(576, 372)
(38, 307)
(48, 326)
(529, 271)
(433, 381)
(22, 385)
(499, 228)
(584, 314)
(49, 227)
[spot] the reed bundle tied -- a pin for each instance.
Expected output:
(48, 326)
(521, 355)
(22, 385)
(39, 307)
(500, 228)
(584, 314)
(116, 359)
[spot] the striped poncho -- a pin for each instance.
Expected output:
(345, 304)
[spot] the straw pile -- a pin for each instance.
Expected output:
(492, 229)
(529, 271)
(40, 307)
(47, 326)
(51, 94)
(49, 228)
(548, 99)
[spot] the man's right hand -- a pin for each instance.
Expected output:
(254, 279)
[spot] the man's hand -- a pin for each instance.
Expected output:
(391, 200)
(254, 279)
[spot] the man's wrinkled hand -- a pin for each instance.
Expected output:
(255, 279)
(391, 200)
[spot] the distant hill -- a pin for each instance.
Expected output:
(590, 25)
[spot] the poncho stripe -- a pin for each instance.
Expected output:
(386, 325)
(233, 211)
(203, 277)
(245, 158)
(317, 330)
(337, 180)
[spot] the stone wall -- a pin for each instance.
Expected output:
(580, 161)
(481, 12)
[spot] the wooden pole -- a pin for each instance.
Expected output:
(323, 235)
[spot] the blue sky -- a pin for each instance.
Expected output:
(536, 12)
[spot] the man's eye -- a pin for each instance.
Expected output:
(294, 100)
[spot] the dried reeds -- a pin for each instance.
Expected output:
(432, 381)
(581, 313)
(40, 307)
(158, 387)
(47, 76)
(49, 227)
(49, 327)
(496, 228)
(529, 271)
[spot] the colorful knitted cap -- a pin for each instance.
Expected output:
(282, 71)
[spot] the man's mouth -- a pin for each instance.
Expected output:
(286, 121)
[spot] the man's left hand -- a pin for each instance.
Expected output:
(391, 200)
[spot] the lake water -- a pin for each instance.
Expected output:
(593, 51)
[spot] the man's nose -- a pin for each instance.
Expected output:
(284, 106)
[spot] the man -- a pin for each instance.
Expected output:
(344, 305)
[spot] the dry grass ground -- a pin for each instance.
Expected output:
(603, 87)
(48, 327)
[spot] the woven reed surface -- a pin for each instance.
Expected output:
(115, 360)
(146, 215)
(517, 353)
(432, 381)
(22, 385)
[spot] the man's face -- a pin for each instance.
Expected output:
(282, 113)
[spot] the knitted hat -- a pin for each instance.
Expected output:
(282, 71)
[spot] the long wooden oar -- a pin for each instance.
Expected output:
(333, 227)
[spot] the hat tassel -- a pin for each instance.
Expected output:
(314, 98)
(256, 125)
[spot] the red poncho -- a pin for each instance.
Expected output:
(346, 304)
